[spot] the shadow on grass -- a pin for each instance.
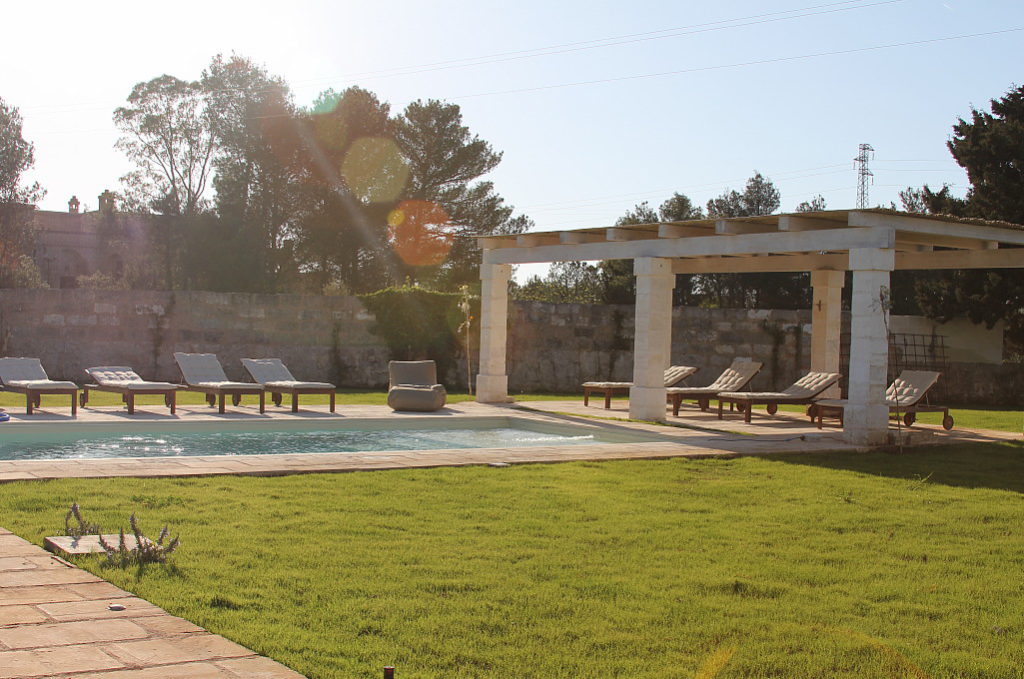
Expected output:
(997, 466)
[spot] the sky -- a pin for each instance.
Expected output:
(596, 106)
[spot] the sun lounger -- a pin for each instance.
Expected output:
(204, 373)
(673, 376)
(413, 386)
(734, 378)
(904, 398)
(803, 391)
(125, 381)
(26, 376)
(277, 379)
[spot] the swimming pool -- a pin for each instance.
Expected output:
(76, 441)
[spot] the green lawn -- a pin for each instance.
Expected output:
(870, 565)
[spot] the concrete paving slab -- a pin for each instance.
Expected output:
(55, 623)
(65, 545)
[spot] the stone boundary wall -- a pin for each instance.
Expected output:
(319, 338)
(552, 347)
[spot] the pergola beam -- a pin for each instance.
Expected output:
(936, 227)
(750, 244)
(577, 237)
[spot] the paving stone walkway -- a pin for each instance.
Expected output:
(55, 621)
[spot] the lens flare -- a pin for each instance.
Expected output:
(417, 230)
(374, 169)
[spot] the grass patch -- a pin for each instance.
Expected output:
(868, 565)
(996, 419)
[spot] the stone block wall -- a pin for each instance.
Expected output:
(551, 347)
(556, 347)
(70, 330)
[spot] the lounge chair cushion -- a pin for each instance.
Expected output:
(735, 377)
(910, 387)
(272, 372)
(417, 398)
(805, 388)
(295, 384)
(40, 384)
(225, 385)
(123, 377)
(201, 369)
(420, 373)
(21, 369)
(673, 376)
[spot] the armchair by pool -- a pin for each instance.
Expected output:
(413, 386)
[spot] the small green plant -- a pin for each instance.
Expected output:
(145, 550)
(83, 528)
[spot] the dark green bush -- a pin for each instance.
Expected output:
(420, 324)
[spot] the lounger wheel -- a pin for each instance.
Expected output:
(909, 419)
(37, 400)
(773, 408)
(82, 400)
(947, 422)
(236, 399)
(211, 400)
(276, 398)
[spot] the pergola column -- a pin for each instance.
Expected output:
(492, 380)
(826, 323)
(652, 338)
(867, 416)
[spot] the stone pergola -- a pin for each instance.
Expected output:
(869, 243)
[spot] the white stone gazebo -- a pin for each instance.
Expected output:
(869, 243)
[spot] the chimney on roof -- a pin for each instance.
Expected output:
(73, 205)
(107, 201)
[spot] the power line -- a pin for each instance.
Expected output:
(563, 48)
(758, 62)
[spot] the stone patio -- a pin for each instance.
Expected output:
(55, 621)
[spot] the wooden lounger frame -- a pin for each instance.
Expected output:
(276, 394)
(746, 405)
(32, 396)
(818, 411)
(128, 394)
(216, 395)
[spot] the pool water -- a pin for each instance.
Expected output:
(62, 443)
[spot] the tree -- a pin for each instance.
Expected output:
(990, 147)
(757, 291)
(166, 132)
(256, 193)
(339, 227)
(445, 162)
(816, 204)
(566, 282)
(17, 200)
(759, 197)
(617, 274)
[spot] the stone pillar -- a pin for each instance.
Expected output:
(492, 381)
(826, 323)
(867, 416)
(652, 338)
